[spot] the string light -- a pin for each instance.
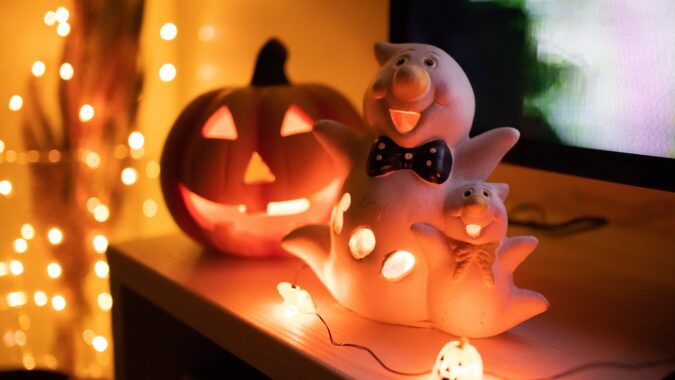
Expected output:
(15, 102)
(120, 151)
(168, 31)
(101, 213)
(167, 72)
(105, 301)
(149, 208)
(66, 71)
(101, 269)
(27, 231)
(40, 298)
(38, 69)
(63, 29)
(5, 187)
(16, 299)
(20, 245)
(129, 176)
(55, 236)
(86, 113)
(54, 270)
(58, 302)
(100, 343)
(15, 267)
(136, 140)
(100, 243)
(50, 18)
(62, 15)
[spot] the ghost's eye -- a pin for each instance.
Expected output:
(486, 194)
(220, 125)
(296, 121)
(401, 61)
(468, 193)
(429, 62)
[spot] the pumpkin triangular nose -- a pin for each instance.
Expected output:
(257, 171)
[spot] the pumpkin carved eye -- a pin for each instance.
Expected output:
(220, 125)
(296, 121)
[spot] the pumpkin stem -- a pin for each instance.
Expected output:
(269, 66)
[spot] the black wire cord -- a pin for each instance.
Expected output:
(537, 221)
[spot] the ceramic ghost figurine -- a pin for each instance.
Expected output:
(471, 289)
(418, 112)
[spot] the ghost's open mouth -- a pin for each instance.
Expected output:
(473, 230)
(404, 121)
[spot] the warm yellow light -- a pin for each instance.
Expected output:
(100, 243)
(206, 33)
(129, 176)
(362, 242)
(50, 18)
(20, 337)
(63, 29)
(15, 102)
(136, 140)
(101, 269)
(40, 298)
(101, 213)
(66, 71)
(5, 187)
(149, 208)
(54, 156)
(398, 265)
(55, 236)
(167, 72)
(86, 113)
(291, 207)
(38, 68)
(458, 360)
(15, 267)
(105, 301)
(58, 302)
(62, 14)
(16, 299)
(29, 362)
(92, 159)
(20, 245)
(54, 270)
(100, 343)
(4, 269)
(27, 231)
(295, 299)
(168, 31)
(152, 169)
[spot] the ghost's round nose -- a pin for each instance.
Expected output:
(410, 82)
(476, 205)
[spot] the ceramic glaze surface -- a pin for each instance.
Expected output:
(395, 273)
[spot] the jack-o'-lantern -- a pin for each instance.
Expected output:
(241, 168)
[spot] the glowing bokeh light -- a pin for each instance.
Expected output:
(40, 298)
(16, 299)
(129, 176)
(101, 269)
(100, 243)
(62, 14)
(168, 31)
(206, 33)
(54, 270)
(15, 102)
(38, 68)
(63, 29)
(152, 169)
(86, 113)
(27, 231)
(15, 267)
(58, 302)
(105, 301)
(50, 18)
(101, 213)
(149, 208)
(20, 245)
(136, 140)
(55, 236)
(66, 71)
(100, 343)
(167, 72)
(92, 159)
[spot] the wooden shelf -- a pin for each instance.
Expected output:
(612, 293)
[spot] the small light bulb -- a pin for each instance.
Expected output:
(62, 14)
(40, 298)
(86, 113)
(167, 72)
(129, 176)
(27, 231)
(58, 302)
(168, 31)
(15, 103)
(20, 245)
(66, 71)
(136, 140)
(63, 29)
(50, 18)
(101, 213)
(55, 236)
(100, 343)
(38, 68)
(54, 270)
(100, 243)
(101, 269)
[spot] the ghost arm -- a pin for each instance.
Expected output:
(476, 158)
(343, 144)
(310, 243)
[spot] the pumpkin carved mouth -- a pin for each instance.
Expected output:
(208, 213)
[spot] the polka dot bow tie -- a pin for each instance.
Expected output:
(431, 161)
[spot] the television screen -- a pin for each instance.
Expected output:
(589, 83)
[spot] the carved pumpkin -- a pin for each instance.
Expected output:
(241, 168)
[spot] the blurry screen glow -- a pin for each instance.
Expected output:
(617, 92)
